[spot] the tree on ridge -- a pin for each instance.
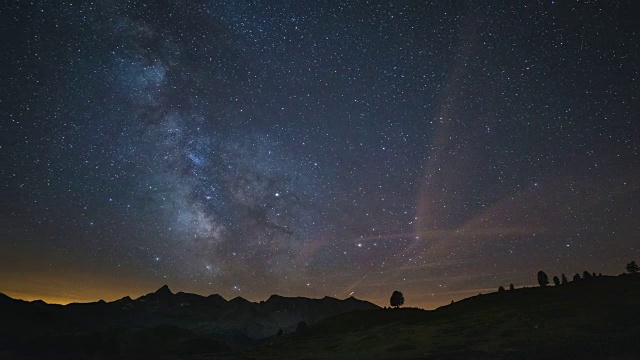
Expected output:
(543, 279)
(397, 299)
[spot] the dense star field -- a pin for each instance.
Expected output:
(312, 148)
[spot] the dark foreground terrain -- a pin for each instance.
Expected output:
(596, 318)
(593, 318)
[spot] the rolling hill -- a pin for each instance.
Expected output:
(594, 318)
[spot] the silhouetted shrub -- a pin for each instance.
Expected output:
(632, 268)
(563, 279)
(543, 279)
(586, 274)
(576, 277)
(501, 288)
(556, 281)
(397, 299)
(280, 332)
(511, 287)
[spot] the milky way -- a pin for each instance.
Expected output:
(316, 148)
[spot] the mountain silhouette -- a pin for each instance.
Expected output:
(589, 319)
(235, 321)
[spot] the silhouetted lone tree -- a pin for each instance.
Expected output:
(511, 287)
(632, 268)
(280, 332)
(556, 281)
(576, 277)
(563, 279)
(586, 274)
(501, 288)
(543, 279)
(397, 299)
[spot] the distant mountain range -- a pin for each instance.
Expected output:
(236, 320)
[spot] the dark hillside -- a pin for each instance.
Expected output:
(591, 319)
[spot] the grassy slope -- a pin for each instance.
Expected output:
(596, 318)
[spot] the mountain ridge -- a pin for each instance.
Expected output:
(210, 315)
(165, 292)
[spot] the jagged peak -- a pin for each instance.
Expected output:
(164, 290)
(161, 293)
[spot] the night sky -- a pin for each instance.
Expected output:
(312, 148)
